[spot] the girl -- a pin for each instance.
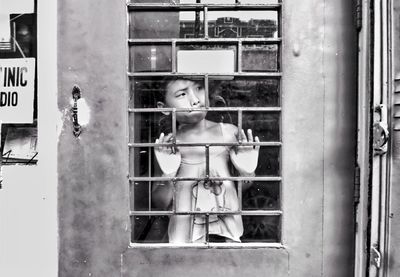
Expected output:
(193, 127)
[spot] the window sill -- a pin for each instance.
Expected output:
(215, 245)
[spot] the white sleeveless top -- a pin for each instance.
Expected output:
(209, 196)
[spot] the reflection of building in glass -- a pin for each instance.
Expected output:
(230, 27)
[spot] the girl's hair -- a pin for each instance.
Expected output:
(163, 86)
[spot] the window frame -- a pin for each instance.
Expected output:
(238, 42)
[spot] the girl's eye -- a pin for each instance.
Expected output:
(181, 94)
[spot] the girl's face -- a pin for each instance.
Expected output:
(183, 93)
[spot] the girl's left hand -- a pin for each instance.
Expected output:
(245, 158)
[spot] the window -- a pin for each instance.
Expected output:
(231, 53)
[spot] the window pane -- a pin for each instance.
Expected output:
(143, 165)
(146, 92)
(161, 24)
(268, 162)
(148, 126)
(150, 229)
(260, 57)
(244, 92)
(139, 196)
(244, 24)
(262, 196)
(264, 125)
(261, 228)
(150, 58)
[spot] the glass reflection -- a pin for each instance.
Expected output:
(264, 124)
(244, 92)
(260, 57)
(268, 162)
(261, 228)
(149, 229)
(150, 58)
(262, 196)
(242, 24)
(171, 24)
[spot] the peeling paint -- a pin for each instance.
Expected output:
(83, 112)
(61, 116)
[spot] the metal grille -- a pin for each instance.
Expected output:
(169, 46)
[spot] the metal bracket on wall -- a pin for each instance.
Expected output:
(76, 94)
(380, 131)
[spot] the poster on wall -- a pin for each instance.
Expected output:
(17, 85)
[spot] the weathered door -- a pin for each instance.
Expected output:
(302, 71)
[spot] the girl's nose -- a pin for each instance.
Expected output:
(194, 100)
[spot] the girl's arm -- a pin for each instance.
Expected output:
(245, 158)
(169, 161)
(162, 193)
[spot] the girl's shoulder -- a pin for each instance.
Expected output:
(229, 127)
(229, 131)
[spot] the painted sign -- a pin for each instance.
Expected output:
(17, 86)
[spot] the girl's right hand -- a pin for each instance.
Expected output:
(168, 157)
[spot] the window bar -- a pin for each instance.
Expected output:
(173, 196)
(207, 147)
(244, 74)
(239, 57)
(205, 22)
(150, 173)
(131, 138)
(279, 19)
(190, 7)
(207, 227)
(246, 212)
(240, 125)
(215, 109)
(132, 195)
(206, 92)
(173, 130)
(240, 194)
(197, 26)
(163, 41)
(150, 162)
(191, 144)
(173, 49)
(241, 178)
